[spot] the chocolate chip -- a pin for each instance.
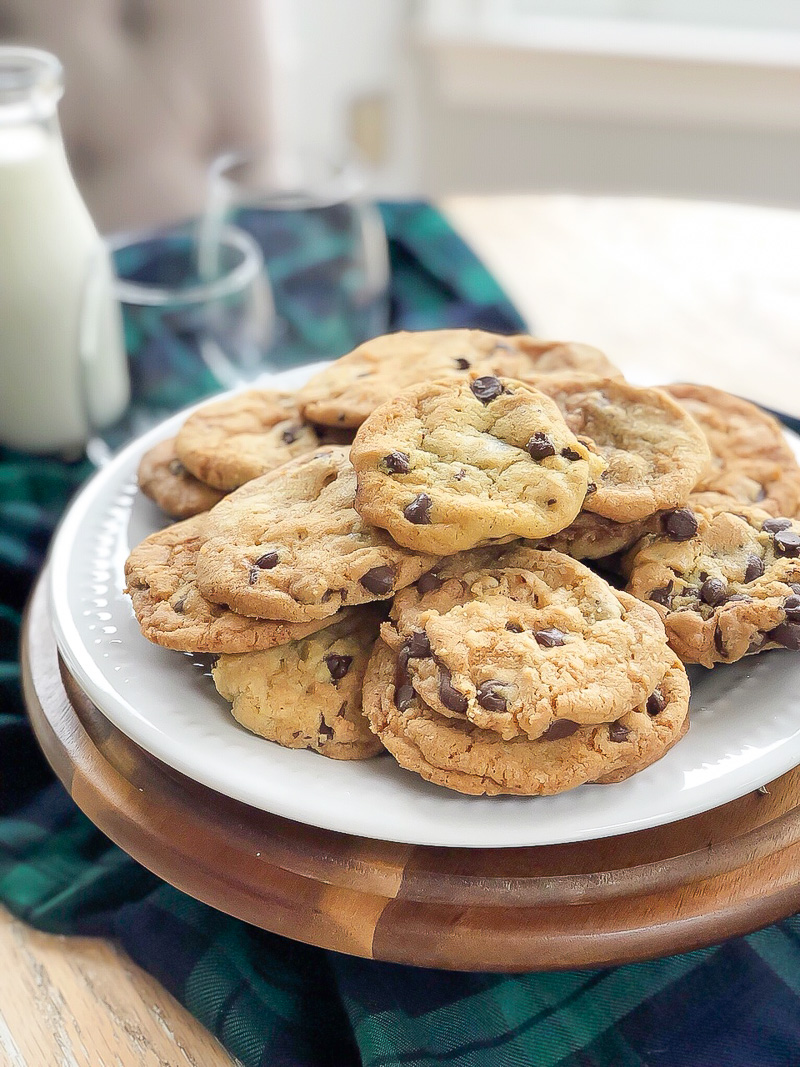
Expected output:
(419, 510)
(795, 587)
(429, 582)
(655, 703)
(378, 580)
(403, 689)
(490, 697)
(397, 463)
(514, 627)
(786, 634)
(774, 525)
(460, 474)
(560, 728)
(252, 578)
(754, 568)
(756, 643)
(791, 607)
(713, 591)
(487, 389)
(404, 697)
(462, 364)
(290, 436)
(449, 695)
(570, 453)
(540, 446)
(591, 488)
(267, 561)
(337, 665)
(787, 543)
(662, 596)
(176, 468)
(417, 645)
(551, 501)
(180, 605)
(550, 638)
(680, 524)
(618, 732)
(719, 642)
(325, 730)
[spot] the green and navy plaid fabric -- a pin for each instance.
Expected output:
(277, 1003)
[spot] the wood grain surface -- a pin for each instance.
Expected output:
(80, 1002)
(673, 289)
(587, 904)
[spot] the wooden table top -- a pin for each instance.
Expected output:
(670, 290)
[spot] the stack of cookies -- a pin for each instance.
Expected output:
(397, 558)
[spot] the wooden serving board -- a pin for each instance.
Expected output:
(587, 904)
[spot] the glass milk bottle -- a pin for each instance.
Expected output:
(63, 372)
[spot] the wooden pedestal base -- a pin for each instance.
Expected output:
(589, 904)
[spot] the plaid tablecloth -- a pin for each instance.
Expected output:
(277, 1003)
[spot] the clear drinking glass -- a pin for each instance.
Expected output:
(188, 332)
(323, 243)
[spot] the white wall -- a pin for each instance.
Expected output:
(451, 100)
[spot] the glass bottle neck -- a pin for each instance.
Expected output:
(31, 84)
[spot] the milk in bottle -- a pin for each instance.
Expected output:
(63, 372)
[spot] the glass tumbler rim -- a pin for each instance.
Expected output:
(344, 180)
(232, 281)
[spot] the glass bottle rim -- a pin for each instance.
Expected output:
(31, 82)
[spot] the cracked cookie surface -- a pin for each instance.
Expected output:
(290, 545)
(445, 466)
(228, 442)
(307, 693)
(161, 575)
(655, 452)
(166, 481)
(349, 390)
(751, 460)
(517, 640)
(729, 586)
(459, 755)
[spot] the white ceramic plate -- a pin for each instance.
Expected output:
(745, 718)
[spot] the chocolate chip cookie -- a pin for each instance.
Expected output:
(444, 466)
(654, 451)
(230, 441)
(164, 479)
(459, 755)
(350, 389)
(290, 545)
(307, 694)
(518, 640)
(726, 582)
(528, 358)
(751, 460)
(591, 536)
(161, 575)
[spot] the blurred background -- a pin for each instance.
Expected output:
(667, 113)
(695, 98)
(691, 98)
